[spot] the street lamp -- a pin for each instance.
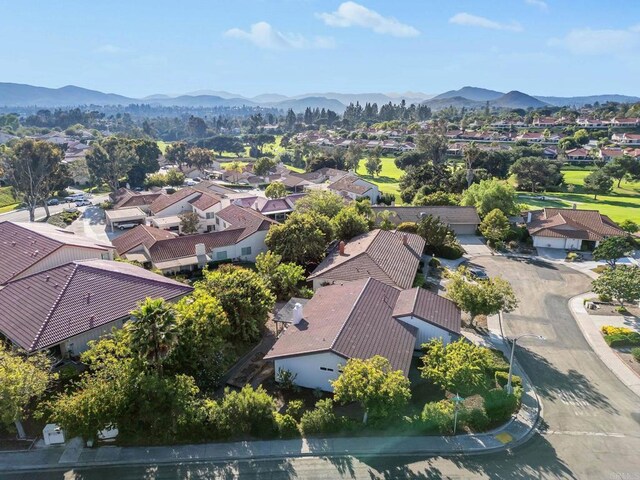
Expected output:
(513, 349)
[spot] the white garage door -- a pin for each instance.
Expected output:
(548, 242)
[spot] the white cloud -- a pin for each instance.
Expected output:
(541, 4)
(110, 49)
(263, 35)
(587, 41)
(351, 14)
(469, 20)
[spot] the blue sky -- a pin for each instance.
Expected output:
(142, 47)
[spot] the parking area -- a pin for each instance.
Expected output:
(473, 245)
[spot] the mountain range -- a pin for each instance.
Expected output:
(21, 95)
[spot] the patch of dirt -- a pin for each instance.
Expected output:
(631, 362)
(610, 309)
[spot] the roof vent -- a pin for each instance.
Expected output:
(88, 297)
(46, 279)
(405, 239)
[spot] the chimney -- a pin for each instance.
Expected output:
(200, 249)
(296, 318)
(528, 217)
(341, 246)
(405, 239)
(574, 206)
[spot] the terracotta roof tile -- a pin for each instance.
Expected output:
(140, 235)
(569, 223)
(430, 307)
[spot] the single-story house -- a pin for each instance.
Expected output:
(569, 229)
(359, 319)
(114, 218)
(353, 187)
(72, 304)
(462, 220)
(126, 198)
(390, 257)
(28, 248)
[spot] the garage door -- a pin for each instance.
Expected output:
(548, 242)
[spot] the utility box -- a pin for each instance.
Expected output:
(108, 434)
(53, 434)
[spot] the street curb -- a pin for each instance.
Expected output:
(597, 346)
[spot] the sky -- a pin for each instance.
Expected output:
(143, 47)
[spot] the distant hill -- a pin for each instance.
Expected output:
(212, 93)
(202, 101)
(456, 102)
(299, 105)
(515, 99)
(471, 93)
(362, 98)
(19, 95)
(269, 97)
(588, 99)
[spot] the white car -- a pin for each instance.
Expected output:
(82, 202)
(127, 226)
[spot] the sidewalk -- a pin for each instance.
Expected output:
(591, 333)
(515, 432)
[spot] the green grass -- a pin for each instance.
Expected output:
(9, 208)
(7, 196)
(389, 179)
(621, 204)
(162, 146)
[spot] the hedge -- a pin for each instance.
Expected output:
(636, 354)
(503, 377)
(623, 340)
(500, 405)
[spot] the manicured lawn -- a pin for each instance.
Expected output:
(623, 203)
(6, 196)
(9, 208)
(389, 179)
(162, 146)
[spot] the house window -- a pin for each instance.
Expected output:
(325, 369)
(221, 255)
(217, 221)
(245, 251)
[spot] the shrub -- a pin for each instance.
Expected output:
(170, 191)
(476, 419)
(437, 417)
(503, 377)
(623, 340)
(386, 198)
(322, 419)
(450, 252)
(499, 405)
(434, 262)
(613, 330)
(295, 408)
(572, 256)
(286, 379)
(496, 362)
(636, 354)
(419, 280)
(248, 411)
(107, 205)
(409, 227)
(287, 426)
(621, 309)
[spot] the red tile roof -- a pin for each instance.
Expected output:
(569, 223)
(181, 247)
(74, 298)
(22, 245)
(166, 201)
(379, 254)
(352, 320)
(129, 198)
(247, 218)
(140, 235)
(430, 307)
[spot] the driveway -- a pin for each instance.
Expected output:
(473, 245)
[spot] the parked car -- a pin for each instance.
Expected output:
(478, 273)
(127, 226)
(53, 201)
(82, 202)
(75, 197)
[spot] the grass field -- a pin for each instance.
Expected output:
(389, 178)
(7, 200)
(623, 203)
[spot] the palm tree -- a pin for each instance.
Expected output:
(153, 331)
(471, 154)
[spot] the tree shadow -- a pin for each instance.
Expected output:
(552, 384)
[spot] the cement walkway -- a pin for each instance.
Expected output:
(74, 455)
(591, 331)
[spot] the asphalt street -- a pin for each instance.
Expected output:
(591, 426)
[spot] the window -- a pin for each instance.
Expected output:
(221, 255)
(217, 221)
(325, 369)
(245, 251)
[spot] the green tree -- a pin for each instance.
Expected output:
(348, 223)
(435, 233)
(244, 296)
(175, 178)
(471, 155)
(24, 379)
(199, 158)
(458, 366)
(246, 412)
(322, 202)
(156, 180)
(111, 160)
(598, 182)
(29, 166)
(283, 279)
(263, 166)
(177, 154)
(489, 195)
(581, 137)
(145, 161)
(487, 297)
(433, 146)
(495, 226)
(384, 217)
(621, 283)
(373, 163)
(275, 190)
(235, 169)
(612, 248)
(436, 198)
(352, 157)
(374, 384)
(153, 332)
(622, 167)
(302, 238)
(536, 172)
(189, 222)
(629, 226)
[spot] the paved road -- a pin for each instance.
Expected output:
(591, 421)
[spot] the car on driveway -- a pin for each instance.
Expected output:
(478, 273)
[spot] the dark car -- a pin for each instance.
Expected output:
(478, 273)
(53, 201)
